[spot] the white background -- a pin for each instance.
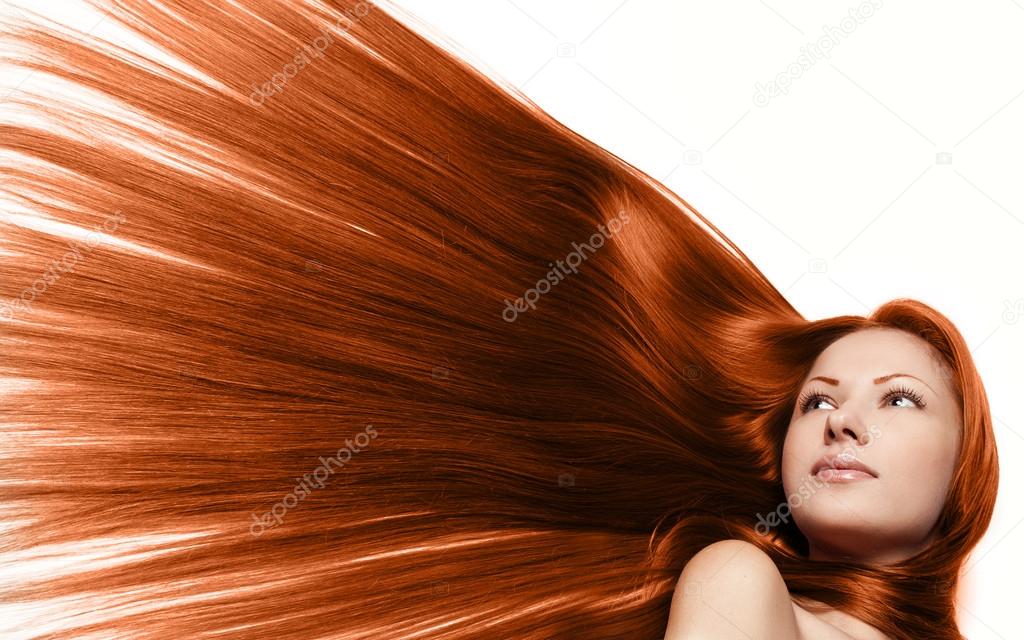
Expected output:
(891, 168)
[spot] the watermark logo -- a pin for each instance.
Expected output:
(808, 488)
(78, 250)
(315, 50)
(309, 481)
(1013, 310)
(812, 52)
(529, 299)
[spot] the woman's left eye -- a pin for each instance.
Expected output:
(900, 397)
(903, 393)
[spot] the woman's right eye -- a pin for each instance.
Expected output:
(810, 401)
(817, 400)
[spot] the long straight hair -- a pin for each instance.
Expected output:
(331, 335)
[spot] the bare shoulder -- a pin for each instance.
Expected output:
(731, 590)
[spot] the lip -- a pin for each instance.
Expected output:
(842, 469)
(842, 475)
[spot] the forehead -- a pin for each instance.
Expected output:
(876, 352)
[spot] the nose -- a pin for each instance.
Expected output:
(842, 425)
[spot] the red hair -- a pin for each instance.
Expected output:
(283, 397)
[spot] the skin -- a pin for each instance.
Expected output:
(731, 590)
(913, 449)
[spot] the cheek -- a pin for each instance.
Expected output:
(796, 462)
(920, 470)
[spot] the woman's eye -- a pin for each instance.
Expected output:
(905, 399)
(811, 403)
(906, 395)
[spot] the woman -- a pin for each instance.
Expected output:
(880, 514)
(329, 335)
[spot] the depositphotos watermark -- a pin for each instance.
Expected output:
(313, 480)
(79, 250)
(557, 274)
(315, 49)
(808, 488)
(812, 52)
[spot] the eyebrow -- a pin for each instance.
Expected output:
(879, 380)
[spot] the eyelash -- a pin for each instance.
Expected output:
(894, 392)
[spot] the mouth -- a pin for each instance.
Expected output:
(842, 469)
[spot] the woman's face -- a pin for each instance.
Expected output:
(877, 396)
